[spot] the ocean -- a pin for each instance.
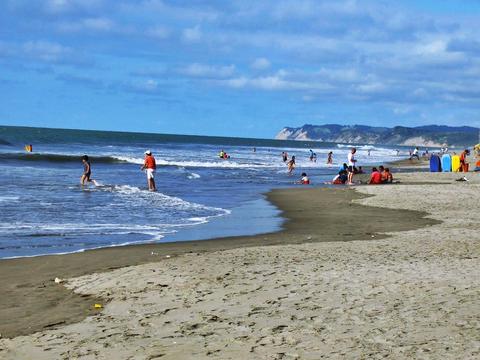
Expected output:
(44, 210)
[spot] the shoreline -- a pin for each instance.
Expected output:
(33, 302)
(405, 294)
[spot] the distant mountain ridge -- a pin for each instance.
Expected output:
(428, 135)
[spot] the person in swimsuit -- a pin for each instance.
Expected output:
(291, 165)
(87, 171)
(330, 158)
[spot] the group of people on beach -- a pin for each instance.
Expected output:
(149, 166)
(380, 175)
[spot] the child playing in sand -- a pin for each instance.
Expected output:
(340, 178)
(87, 171)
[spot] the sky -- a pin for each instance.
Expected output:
(242, 68)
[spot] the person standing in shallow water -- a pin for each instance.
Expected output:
(149, 165)
(330, 158)
(291, 165)
(87, 171)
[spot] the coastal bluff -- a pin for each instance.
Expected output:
(429, 135)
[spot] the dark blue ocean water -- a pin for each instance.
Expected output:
(44, 210)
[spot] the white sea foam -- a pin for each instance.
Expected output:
(9, 199)
(193, 176)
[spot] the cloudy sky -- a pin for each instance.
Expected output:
(238, 68)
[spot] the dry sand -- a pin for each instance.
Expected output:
(414, 294)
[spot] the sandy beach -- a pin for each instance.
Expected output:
(404, 285)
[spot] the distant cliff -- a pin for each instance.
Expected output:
(430, 135)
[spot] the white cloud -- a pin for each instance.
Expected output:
(371, 88)
(99, 24)
(193, 34)
(46, 51)
(64, 6)
(201, 70)
(260, 64)
(147, 86)
(158, 32)
(273, 83)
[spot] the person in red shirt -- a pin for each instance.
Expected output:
(149, 165)
(463, 160)
(375, 177)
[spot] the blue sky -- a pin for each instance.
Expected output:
(238, 68)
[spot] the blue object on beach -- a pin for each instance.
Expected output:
(435, 165)
(446, 163)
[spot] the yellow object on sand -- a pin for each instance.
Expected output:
(455, 163)
(97, 306)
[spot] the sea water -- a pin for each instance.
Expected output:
(44, 210)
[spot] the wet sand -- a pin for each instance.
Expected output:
(31, 301)
(411, 292)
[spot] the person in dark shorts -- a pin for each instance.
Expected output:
(87, 171)
(351, 165)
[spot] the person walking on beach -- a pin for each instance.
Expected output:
(351, 165)
(87, 172)
(330, 158)
(149, 165)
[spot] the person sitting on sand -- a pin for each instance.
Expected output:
(304, 180)
(477, 166)
(359, 170)
(291, 165)
(87, 171)
(381, 170)
(341, 178)
(387, 177)
(375, 177)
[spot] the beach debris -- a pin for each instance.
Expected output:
(58, 280)
(167, 256)
(464, 178)
(97, 306)
(154, 253)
